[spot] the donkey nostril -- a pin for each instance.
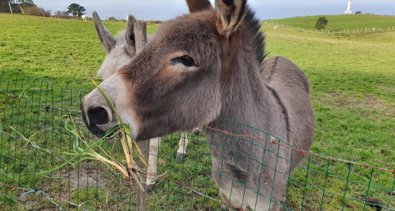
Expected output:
(98, 115)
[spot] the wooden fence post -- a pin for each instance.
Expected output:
(140, 33)
(9, 5)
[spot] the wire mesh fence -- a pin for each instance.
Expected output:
(38, 170)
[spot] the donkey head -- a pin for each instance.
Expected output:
(182, 79)
(120, 50)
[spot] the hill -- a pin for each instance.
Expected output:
(340, 22)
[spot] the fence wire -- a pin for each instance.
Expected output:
(38, 172)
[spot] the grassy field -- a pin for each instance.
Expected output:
(352, 78)
(68, 50)
(341, 22)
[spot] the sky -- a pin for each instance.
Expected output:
(265, 9)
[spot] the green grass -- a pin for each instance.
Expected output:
(340, 22)
(353, 90)
(352, 78)
(54, 48)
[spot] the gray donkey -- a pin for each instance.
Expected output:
(207, 69)
(120, 51)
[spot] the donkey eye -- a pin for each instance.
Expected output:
(185, 60)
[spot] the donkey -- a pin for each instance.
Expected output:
(120, 51)
(207, 69)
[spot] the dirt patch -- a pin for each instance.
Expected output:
(368, 101)
(368, 106)
(58, 190)
(375, 103)
(84, 178)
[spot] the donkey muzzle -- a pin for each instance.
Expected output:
(97, 118)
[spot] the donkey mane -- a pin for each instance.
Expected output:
(259, 42)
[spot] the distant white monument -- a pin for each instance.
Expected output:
(348, 10)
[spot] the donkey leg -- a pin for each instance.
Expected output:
(181, 152)
(152, 170)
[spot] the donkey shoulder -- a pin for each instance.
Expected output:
(281, 70)
(292, 88)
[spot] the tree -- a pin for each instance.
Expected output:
(358, 12)
(321, 23)
(75, 10)
(25, 3)
(15, 6)
(5, 6)
(58, 14)
(112, 18)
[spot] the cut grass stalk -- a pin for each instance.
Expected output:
(129, 170)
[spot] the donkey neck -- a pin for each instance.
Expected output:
(245, 96)
(250, 101)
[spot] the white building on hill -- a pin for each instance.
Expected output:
(348, 10)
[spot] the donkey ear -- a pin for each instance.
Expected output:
(230, 13)
(198, 5)
(106, 39)
(129, 36)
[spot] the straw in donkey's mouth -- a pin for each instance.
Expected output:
(88, 150)
(131, 170)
